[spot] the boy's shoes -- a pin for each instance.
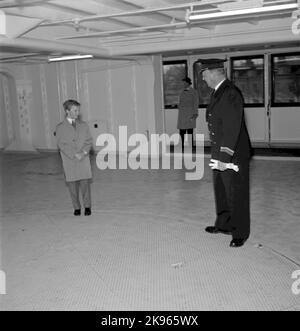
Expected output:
(77, 212)
(87, 212)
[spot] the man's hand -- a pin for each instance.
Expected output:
(218, 165)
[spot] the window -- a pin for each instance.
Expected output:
(286, 80)
(173, 73)
(247, 73)
(204, 91)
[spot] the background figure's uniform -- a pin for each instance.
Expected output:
(72, 140)
(187, 107)
(230, 143)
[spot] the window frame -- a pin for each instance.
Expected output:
(272, 92)
(247, 57)
(170, 62)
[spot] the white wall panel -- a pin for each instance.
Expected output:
(96, 96)
(257, 124)
(144, 97)
(285, 125)
(123, 98)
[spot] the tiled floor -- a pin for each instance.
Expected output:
(144, 247)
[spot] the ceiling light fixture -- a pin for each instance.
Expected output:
(196, 15)
(70, 57)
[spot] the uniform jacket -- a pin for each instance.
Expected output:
(226, 123)
(187, 107)
(70, 141)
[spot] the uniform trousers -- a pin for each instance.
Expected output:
(85, 188)
(231, 191)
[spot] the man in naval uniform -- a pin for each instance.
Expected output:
(74, 141)
(187, 111)
(230, 152)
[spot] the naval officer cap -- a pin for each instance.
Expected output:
(208, 64)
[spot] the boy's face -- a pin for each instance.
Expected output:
(74, 112)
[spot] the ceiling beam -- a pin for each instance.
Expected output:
(141, 11)
(30, 45)
(159, 16)
(127, 31)
(19, 56)
(21, 3)
(25, 58)
(81, 12)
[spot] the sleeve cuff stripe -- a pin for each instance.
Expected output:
(227, 150)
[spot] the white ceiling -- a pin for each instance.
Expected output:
(32, 30)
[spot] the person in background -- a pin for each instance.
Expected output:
(231, 152)
(74, 141)
(187, 111)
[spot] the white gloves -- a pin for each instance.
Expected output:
(218, 165)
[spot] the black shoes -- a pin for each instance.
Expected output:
(235, 242)
(77, 212)
(87, 212)
(238, 242)
(214, 229)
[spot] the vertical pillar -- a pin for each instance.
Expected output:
(83, 84)
(45, 109)
(8, 110)
(157, 119)
(110, 99)
(63, 81)
(134, 90)
(61, 115)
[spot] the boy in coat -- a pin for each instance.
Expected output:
(74, 141)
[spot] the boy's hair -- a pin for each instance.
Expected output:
(69, 103)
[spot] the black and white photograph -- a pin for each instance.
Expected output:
(149, 158)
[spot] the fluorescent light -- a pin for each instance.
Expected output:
(246, 11)
(70, 57)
